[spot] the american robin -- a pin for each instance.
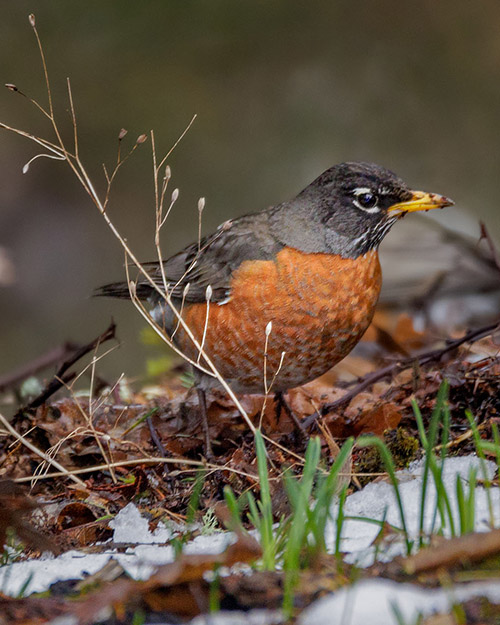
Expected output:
(309, 266)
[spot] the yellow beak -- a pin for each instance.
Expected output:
(420, 201)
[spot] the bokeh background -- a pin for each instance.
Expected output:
(283, 90)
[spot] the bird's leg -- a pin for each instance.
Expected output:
(202, 401)
(281, 403)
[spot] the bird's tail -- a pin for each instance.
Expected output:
(120, 290)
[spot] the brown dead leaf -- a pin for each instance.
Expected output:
(178, 588)
(406, 335)
(377, 420)
(74, 514)
(188, 600)
(306, 399)
(262, 588)
(361, 403)
(14, 505)
(404, 377)
(354, 366)
(85, 535)
(31, 610)
(78, 523)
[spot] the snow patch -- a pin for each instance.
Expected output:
(367, 601)
(373, 601)
(377, 500)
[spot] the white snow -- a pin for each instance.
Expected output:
(373, 601)
(378, 498)
(131, 527)
(233, 617)
(38, 575)
(139, 561)
(367, 601)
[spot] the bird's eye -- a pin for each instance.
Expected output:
(366, 199)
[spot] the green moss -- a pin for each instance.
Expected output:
(403, 448)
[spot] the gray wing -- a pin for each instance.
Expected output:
(209, 262)
(215, 258)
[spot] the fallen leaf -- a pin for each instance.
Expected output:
(14, 505)
(406, 335)
(377, 420)
(179, 587)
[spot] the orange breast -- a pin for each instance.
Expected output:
(319, 305)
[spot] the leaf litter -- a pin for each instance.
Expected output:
(106, 439)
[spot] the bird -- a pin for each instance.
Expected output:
(295, 284)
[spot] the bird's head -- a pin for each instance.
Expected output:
(357, 204)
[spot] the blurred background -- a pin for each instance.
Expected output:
(283, 90)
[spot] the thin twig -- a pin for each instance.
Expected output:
(154, 436)
(491, 244)
(88, 416)
(208, 297)
(164, 159)
(134, 462)
(73, 117)
(60, 377)
(50, 358)
(422, 359)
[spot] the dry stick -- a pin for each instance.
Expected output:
(155, 438)
(463, 437)
(375, 376)
(268, 331)
(40, 453)
(60, 378)
(208, 297)
(88, 416)
(197, 464)
(52, 452)
(267, 389)
(52, 357)
(90, 364)
(181, 309)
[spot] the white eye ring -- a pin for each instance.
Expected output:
(366, 190)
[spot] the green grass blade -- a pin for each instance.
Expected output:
(340, 521)
(461, 504)
(234, 523)
(428, 442)
(482, 462)
(299, 524)
(328, 489)
(265, 506)
(194, 500)
(385, 454)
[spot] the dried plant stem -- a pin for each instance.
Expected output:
(267, 388)
(88, 416)
(40, 453)
(134, 462)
